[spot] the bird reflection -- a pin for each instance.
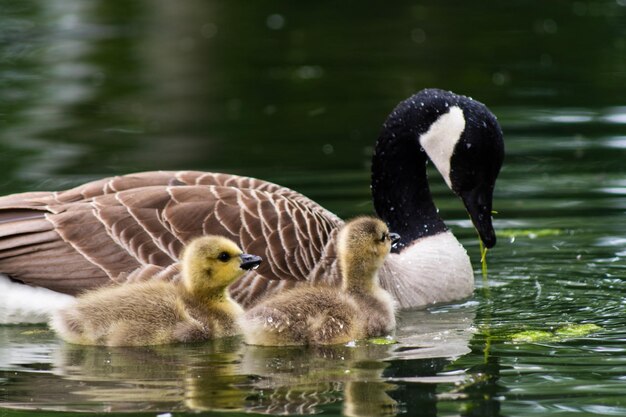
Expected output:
(300, 380)
(226, 375)
(202, 376)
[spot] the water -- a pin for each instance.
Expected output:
(296, 94)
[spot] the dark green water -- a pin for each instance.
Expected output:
(296, 93)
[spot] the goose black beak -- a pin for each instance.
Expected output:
(478, 204)
(395, 238)
(249, 262)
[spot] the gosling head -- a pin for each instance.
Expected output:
(363, 244)
(211, 263)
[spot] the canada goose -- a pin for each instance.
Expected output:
(123, 228)
(324, 315)
(159, 312)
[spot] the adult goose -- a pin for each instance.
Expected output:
(133, 227)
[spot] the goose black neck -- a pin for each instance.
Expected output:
(400, 188)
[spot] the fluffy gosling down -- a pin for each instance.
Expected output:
(155, 312)
(317, 315)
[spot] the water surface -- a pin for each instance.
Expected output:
(296, 94)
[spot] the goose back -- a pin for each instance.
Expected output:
(133, 227)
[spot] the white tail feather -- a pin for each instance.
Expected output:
(21, 303)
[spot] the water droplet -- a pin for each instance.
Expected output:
(269, 109)
(418, 35)
(499, 78)
(275, 21)
(309, 72)
(550, 26)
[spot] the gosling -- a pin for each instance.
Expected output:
(195, 309)
(320, 315)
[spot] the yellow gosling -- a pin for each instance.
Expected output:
(318, 315)
(156, 312)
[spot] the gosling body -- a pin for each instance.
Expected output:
(324, 315)
(197, 308)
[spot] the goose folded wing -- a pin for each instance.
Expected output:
(122, 230)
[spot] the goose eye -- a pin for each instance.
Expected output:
(224, 257)
(384, 237)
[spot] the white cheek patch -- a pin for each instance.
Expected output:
(439, 141)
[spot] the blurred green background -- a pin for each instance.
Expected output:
(274, 89)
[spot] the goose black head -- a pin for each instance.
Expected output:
(465, 144)
(461, 137)
(475, 165)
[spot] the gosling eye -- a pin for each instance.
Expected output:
(224, 257)
(384, 237)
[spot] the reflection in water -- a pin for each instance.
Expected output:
(223, 375)
(202, 377)
(300, 380)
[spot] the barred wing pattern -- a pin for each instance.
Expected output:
(134, 227)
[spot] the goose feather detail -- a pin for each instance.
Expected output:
(133, 227)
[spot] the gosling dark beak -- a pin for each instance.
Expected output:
(478, 204)
(249, 262)
(395, 238)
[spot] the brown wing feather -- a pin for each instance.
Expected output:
(86, 233)
(147, 207)
(134, 226)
